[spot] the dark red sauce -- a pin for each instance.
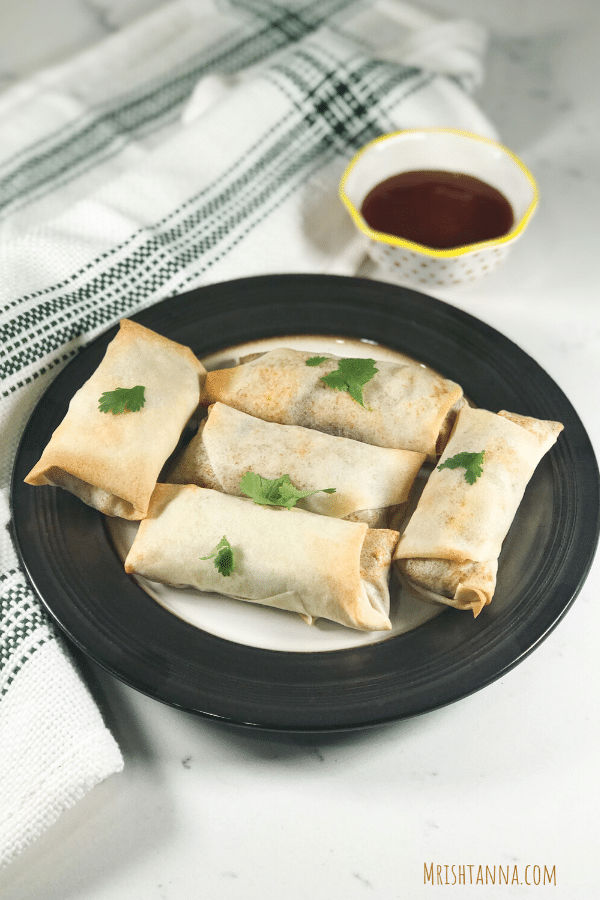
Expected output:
(441, 210)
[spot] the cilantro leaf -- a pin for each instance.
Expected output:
(274, 491)
(223, 556)
(122, 400)
(316, 360)
(351, 375)
(471, 462)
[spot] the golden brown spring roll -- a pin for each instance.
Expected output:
(112, 461)
(368, 480)
(449, 550)
(406, 406)
(291, 559)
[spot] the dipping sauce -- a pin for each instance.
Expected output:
(438, 209)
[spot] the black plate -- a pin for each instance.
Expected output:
(546, 557)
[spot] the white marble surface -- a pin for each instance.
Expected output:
(506, 776)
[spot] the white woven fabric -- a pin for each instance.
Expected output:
(50, 731)
(203, 143)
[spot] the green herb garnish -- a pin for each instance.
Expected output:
(471, 462)
(223, 557)
(276, 491)
(351, 375)
(122, 400)
(316, 360)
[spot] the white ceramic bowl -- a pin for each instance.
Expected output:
(445, 149)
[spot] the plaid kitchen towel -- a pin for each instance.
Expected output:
(202, 143)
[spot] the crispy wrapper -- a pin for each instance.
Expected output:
(112, 462)
(369, 481)
(406, 406)
(449, 550)
(291, 559)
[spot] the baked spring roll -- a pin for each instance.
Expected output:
(368, 480)
(111, 460)
(291, 559)
(405, 406)
(449, 550)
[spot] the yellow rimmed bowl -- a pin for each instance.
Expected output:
(450, 150)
